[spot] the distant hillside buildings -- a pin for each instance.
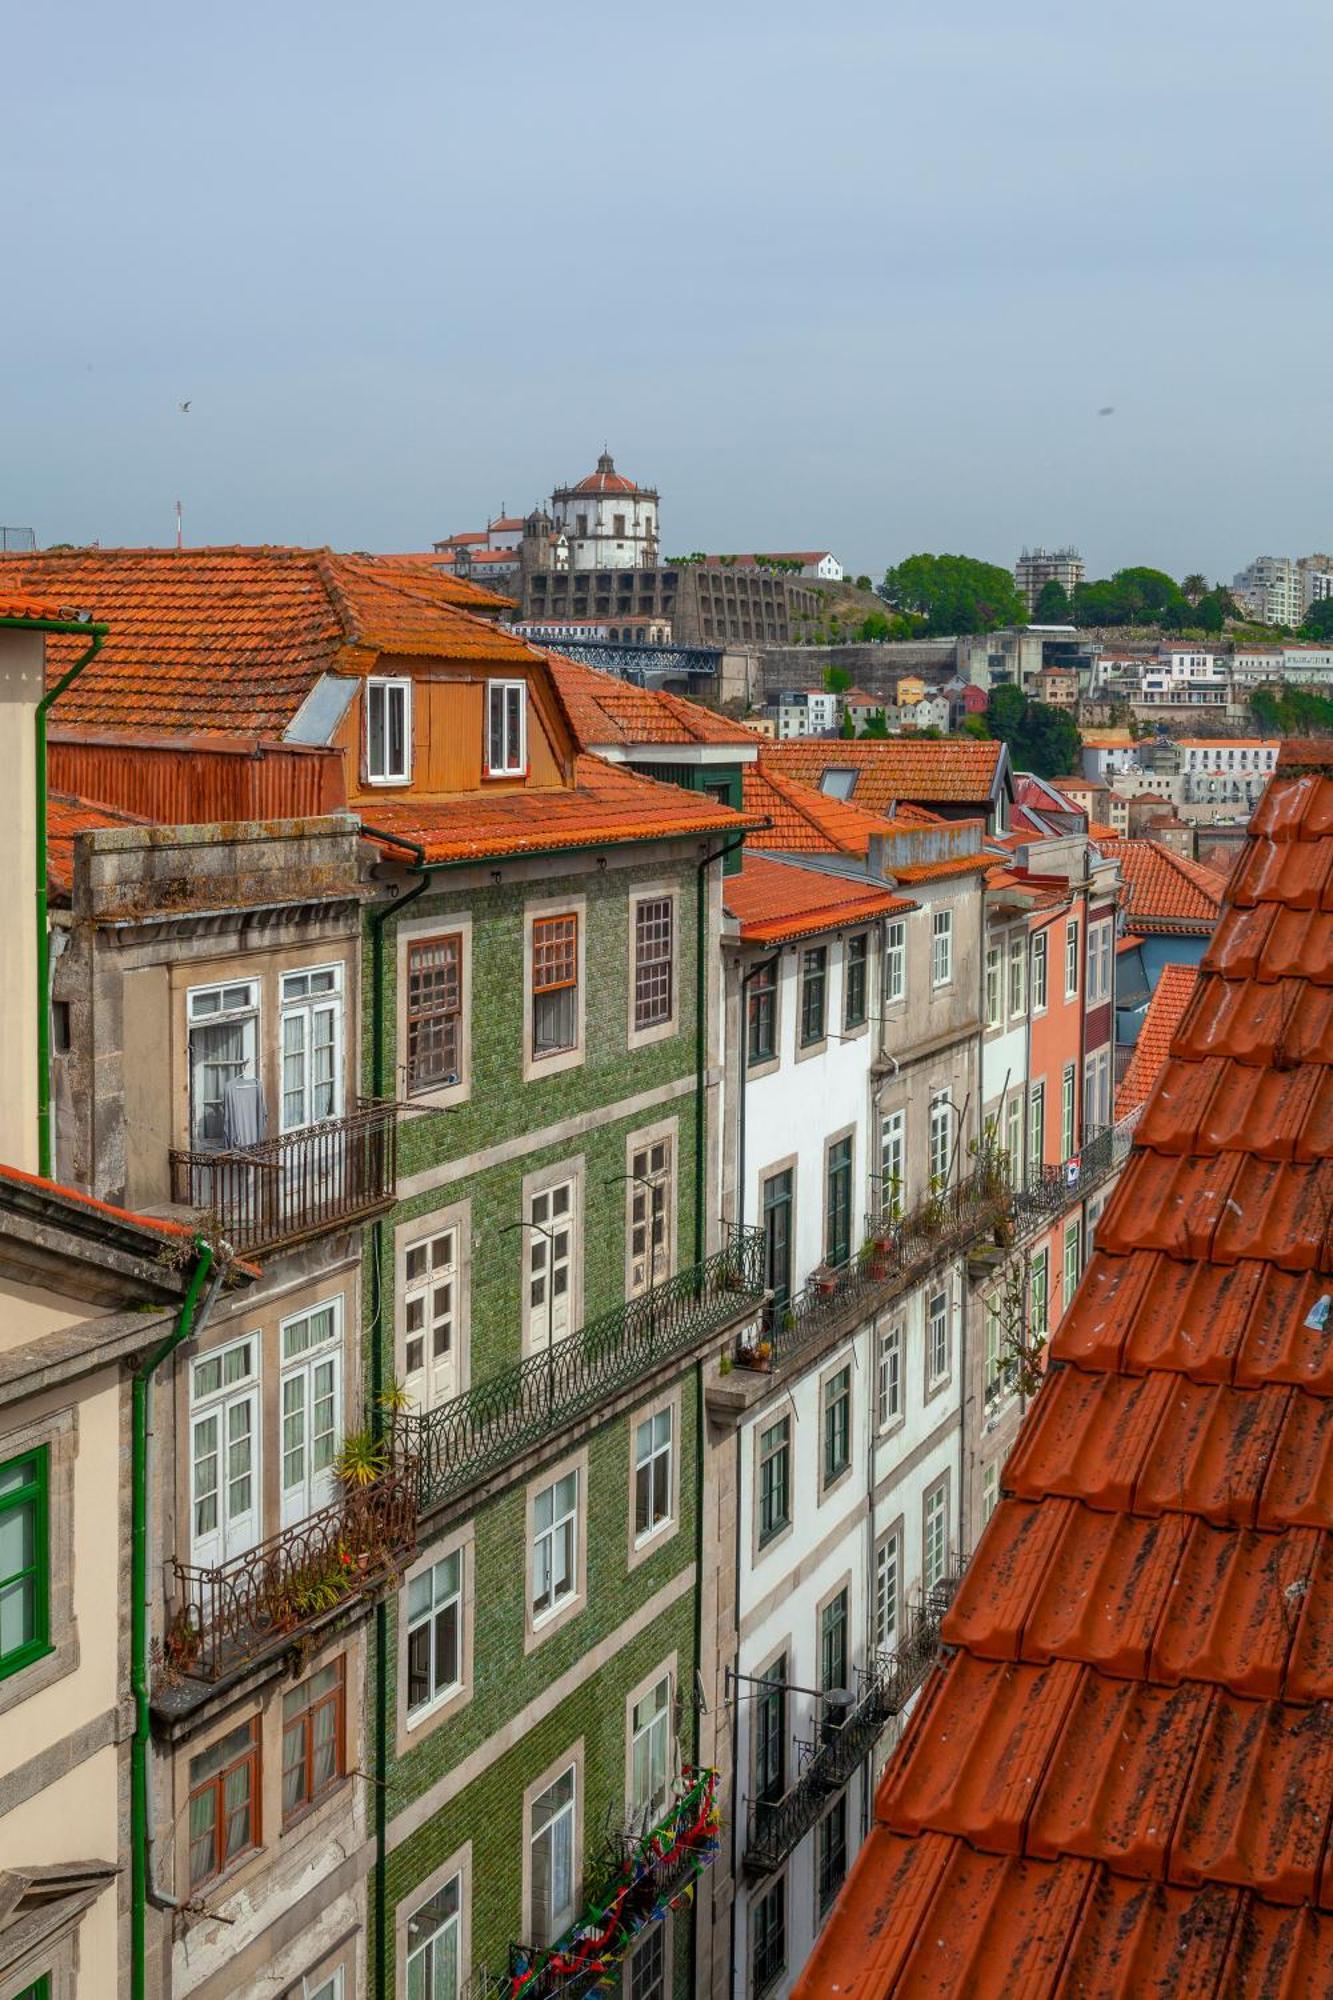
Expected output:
(1036, 568)
(1279, 591)
(594, 557)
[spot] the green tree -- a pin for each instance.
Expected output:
(974, 725)
(1041, 738)
(954, 594)
(874, 628)
(1319, 619)
(876, 728)
(1195, 586)
(1208, 614)
(837, 680)
(863, 583)
(1132, 597)
(1052, 606)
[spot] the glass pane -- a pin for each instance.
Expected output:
(18, 1614)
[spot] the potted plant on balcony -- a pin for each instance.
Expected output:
(825, 1280)
(362, 1460)
(754, 1352)
(183, 1644)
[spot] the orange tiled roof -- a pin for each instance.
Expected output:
(234, 639)
(956, 772)
(605, 805)
(806, 820)
(67, 816)
(603, 711)
(776, 901)
(1171, 996)
(1120, 1780)
(21, 604)
(1163, 892)
(976, 863)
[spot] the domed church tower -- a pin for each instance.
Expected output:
(608, 521)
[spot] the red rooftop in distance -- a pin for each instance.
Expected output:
(1120, 1780)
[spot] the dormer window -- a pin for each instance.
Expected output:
(506, 729)
(388, 732)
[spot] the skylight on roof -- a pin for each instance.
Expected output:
(838, 784)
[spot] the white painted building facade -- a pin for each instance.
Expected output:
(608, 521)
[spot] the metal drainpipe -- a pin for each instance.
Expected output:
(379, 916)
(189, 1320)
(77, 627)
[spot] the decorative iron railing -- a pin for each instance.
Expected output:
(297, 1184)
(1050, 1189)
(644, 1874)
(476, 1434)
(886, 1686)
(222, 1616)
(899, 1250)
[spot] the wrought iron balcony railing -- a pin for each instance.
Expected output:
(1050, 1189)
(641, 1871)
(899, 1250)
(296, 1185)
(224, 1615)
(775, 1828)
(478, 1433)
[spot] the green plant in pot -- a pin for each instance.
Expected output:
(362, 1460)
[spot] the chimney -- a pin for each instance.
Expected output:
(22, 669)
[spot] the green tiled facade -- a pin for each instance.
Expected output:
(503, 1109)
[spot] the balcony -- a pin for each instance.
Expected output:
(1051, 1189)
(901, 1252)
(223, 1617)
(641, 1870)
(460, 1444)
(296, 1185)
(775, 1829)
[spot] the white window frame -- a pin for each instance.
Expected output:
(648, 1723)
(1071, 958)
(539, 1259)
(1069, 1111)
(444, 1594)
(1039, 974)
(941, 949)
(889, 1376)
(994, 1014)
(303, 1363)
(307, 1008)
(893, 1160)
(566, 1815)
(935, 1533)
(456, 1874)
(217, 1403)
(1017, 980)
(564, 1537)
(654, 1031)
(938, 1342)
(888, 1586)
(941, 1139)
(515, 758)
(385, 687)
(246, 1016)
(1037, 1128)
(655, 1455)
(990, 1491)
(993, 1379)
(895, 962)
(445, 1276)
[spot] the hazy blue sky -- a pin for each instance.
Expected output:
(856, 276)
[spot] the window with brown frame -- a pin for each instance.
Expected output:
(555, 983)
(224, 1802)
(312, 1739)
(434, 1011)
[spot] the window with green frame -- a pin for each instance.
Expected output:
(36, 1989)
(24, 1561)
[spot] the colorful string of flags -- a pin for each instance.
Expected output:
(633, 1901)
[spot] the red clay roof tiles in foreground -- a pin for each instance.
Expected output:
(1164, 893)
(959, 771)
(1120, 1781)
(1171, 996)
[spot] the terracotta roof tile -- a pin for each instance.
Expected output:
(1138, 1714)
(234, 639)
(806, 820)
(955, 772)
(22, 604)
(1163, 892)
(606, 804)
(67, 816)
(606, 712)
(1171, 996)
(776, 901)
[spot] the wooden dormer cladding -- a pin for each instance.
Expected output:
(449, 730)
